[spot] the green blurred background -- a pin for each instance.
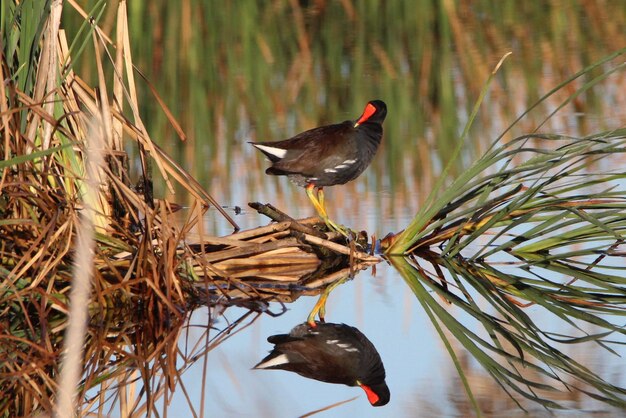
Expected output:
(265, 70)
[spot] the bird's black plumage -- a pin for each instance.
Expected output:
(333, 353)
(331, 154)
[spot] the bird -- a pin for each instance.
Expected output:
(333, 353)
(328, 155)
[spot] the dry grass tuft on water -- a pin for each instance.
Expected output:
(148, 272)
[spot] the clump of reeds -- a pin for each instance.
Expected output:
(50, 119)
(554, 208)
(66, 183)
(533, 175)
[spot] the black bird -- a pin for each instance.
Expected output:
(333, 353)
(328, 155)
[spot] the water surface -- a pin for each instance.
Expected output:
(268, 71)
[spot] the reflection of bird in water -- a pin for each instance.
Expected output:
(333, 353)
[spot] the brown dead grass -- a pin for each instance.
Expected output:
(148, 272)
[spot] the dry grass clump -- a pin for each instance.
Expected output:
(65, 176)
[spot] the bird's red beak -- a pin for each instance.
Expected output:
(370, 109)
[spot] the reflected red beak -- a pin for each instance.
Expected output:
(371, 395)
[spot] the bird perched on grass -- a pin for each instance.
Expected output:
(328, 155)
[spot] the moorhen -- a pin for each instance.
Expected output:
(328, 155)
(333, 353)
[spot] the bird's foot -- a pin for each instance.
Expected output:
(348, 233)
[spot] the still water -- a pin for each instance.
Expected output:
(420, 373)
(268, 71)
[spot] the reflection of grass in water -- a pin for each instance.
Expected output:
(517, 352)
(289, 68)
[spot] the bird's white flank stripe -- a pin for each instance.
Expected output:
(344, 345)
(340, 166)
(330, 170)
(349, 162)
(276, 361)
(332, 341)
(278, 152)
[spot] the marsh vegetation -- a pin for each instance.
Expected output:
(125, 174)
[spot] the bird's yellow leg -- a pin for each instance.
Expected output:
(321, 211)
(319, 309)
(320, 199)
(329, 222)
(318, 203)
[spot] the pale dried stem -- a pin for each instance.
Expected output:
(72, 358)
